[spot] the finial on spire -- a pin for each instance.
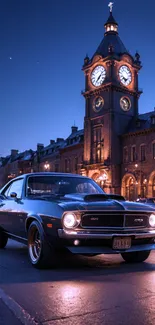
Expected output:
(110, 5)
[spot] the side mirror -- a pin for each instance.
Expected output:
(13, 195)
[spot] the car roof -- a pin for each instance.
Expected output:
(50, 174)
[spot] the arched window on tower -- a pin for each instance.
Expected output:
(97, 145)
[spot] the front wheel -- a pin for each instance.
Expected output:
(136, 257)
(3, 239)
(40, 253)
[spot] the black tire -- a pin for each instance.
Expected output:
(136, 257)
(3, 239)
(40, 253)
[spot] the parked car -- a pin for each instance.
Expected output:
(53, 212)
(150, 201)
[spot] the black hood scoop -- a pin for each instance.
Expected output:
(94, 197)
(103, 197)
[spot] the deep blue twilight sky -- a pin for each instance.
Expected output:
(42, 47)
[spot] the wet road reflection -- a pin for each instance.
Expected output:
(81, 290)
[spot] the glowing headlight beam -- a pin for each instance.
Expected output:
(69, 220)
(152, 220)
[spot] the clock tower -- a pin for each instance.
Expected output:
(111, 102)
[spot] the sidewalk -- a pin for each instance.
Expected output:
(6, 316)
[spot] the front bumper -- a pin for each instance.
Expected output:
(87, 241)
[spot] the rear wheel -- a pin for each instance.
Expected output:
(3, 239)
(136, 257)
(40, 253)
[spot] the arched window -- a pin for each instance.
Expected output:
(131, 189)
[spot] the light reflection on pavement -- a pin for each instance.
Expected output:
(81, 290)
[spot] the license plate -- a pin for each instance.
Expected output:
(121, 242)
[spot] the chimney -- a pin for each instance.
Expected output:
(14, 152)
(60, 139)
(52, 141)
(74, 129)
(40, 146)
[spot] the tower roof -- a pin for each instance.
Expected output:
(111, 20)
(111, 40)
(111, 43)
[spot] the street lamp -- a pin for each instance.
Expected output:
(142, 181)
(46, 166)
(103, 177)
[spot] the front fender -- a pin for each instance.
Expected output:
(32, 217)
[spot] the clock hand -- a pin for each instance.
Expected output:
(98, 77)
(98, 103)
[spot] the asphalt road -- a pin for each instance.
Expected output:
(99, 290)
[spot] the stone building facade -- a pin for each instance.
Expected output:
(138, 166)
(117, 145)
(15, 164)
(61, 155)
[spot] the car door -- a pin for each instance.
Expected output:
(12, 209)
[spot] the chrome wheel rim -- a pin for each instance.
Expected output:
(35, 245)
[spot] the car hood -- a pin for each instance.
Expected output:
(100, 202)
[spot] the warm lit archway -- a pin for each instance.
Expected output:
(101, 179)
(95, 176)
(129, 187)
(151, 185)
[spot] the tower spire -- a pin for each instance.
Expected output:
(111, 24)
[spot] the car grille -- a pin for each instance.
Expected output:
(136, 221)
(114, 220)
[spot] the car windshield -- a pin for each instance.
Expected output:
(61, 185)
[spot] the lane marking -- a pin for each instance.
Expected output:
(20, 313)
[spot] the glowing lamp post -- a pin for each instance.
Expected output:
(47, 167)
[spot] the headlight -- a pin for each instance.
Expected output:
(152, 220)
(70, 220)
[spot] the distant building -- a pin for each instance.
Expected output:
(15, 164)
(117, 146)
(61, 155)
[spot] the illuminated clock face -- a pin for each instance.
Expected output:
(125, 103)
(98, 103)
(125, 75)
(98, 75)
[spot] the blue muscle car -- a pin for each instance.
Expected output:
(53, 212)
